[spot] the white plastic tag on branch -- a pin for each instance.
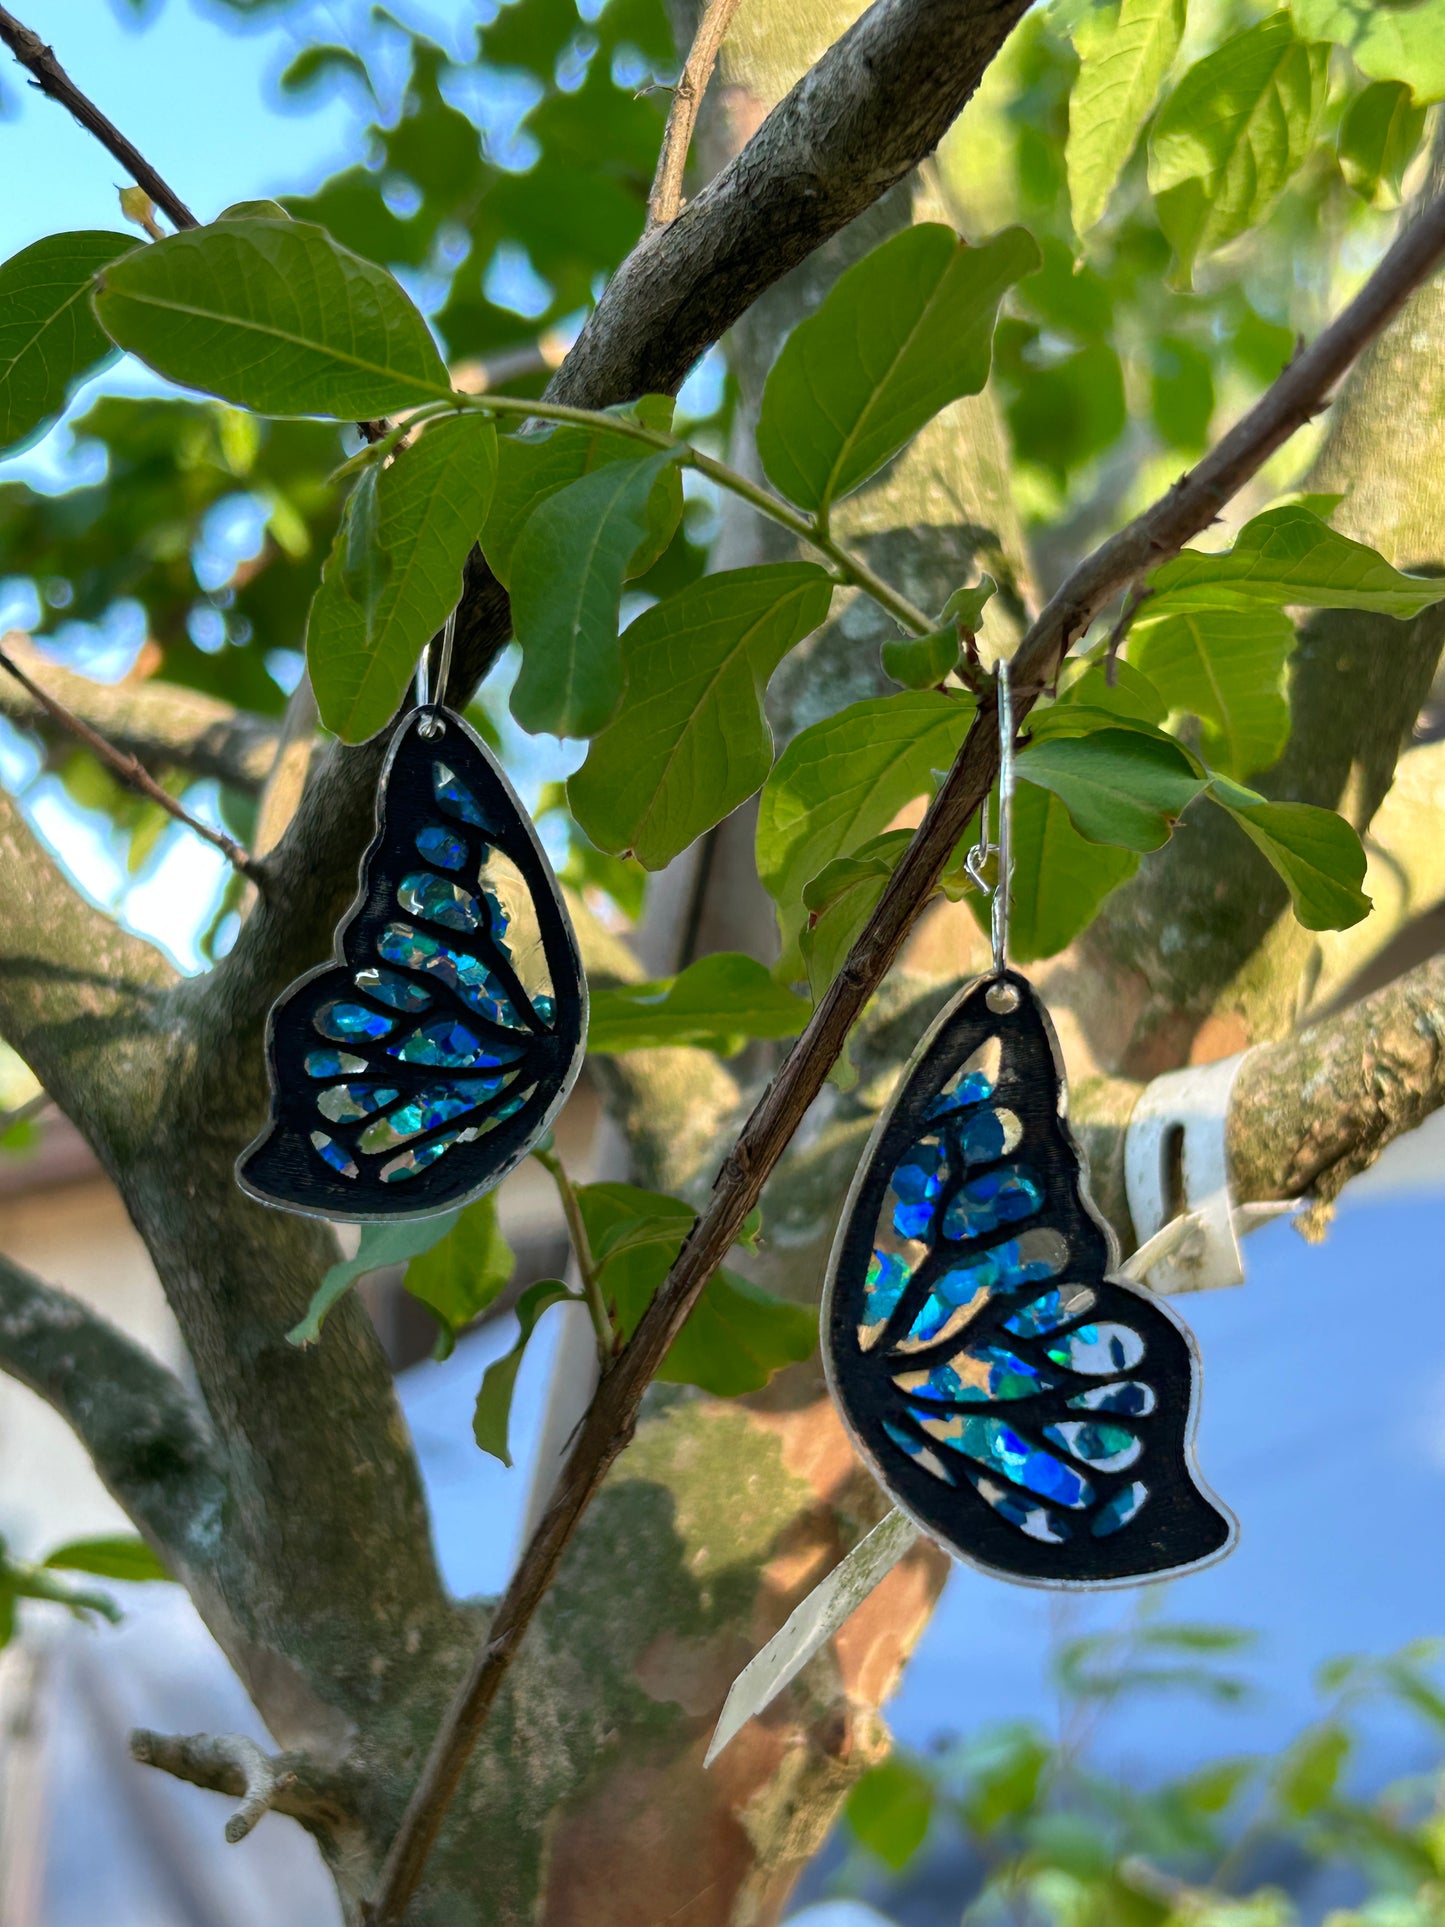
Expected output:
(1176, 1142)
(813, 1623)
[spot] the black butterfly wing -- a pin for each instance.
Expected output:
(1031, 1412)
(414, 1071)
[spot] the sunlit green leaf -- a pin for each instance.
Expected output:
(900, 335)
(841, 782)
(1124, 55)
(922, 662)
(889, 1809)
(491, 1420)
(1233, 132)
(1309, 1772)
(533, 466)
(1378, 137)
(460, 1276)
(736, 1336)
(1288, 555)
(690, 741)
(1119, 786)
(840, 900)
(717, 1004)
(395, 572)
(381, 1245)
(1386, 39)
(49, 337)
(108, 1557)
(1317, 853)
(568, 567)
(273, 315)
(1227, 667)
(1064, 413)
(966, 606)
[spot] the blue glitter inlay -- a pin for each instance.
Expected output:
(982, 1138)
(389, 988)
(1046, 1314)
(345, 1103)
(1129, 1400)
(467, 976)
(410, 1162)
(437, 1104)
(1005, 1377)
(345, 1021)
(884, 1285)
(984, 1203)
(439, 901)
(1118, 1511)
(1004, 1268)
(332, 1063)
(1098, 1349)
(1094, 1443)
(452, 1047)
(442, 846)
(328, 1149)
(993, 1443)
(455, 798)
(972, 1088)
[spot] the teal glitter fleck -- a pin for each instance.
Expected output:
(327, 1148)
(332, 1063)
(467, 976)
(389, 988)
(1118, 1511)
(345, 1103)
(438, 901)
(984, 1203)
(455, 798)
(442, 846)
(345, 1021)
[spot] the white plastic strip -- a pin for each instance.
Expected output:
(1183, 1115)
(833, 1600)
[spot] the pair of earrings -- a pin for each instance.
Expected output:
(1031, 1412)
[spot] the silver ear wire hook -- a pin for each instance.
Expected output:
(998, 891)
(431, 725)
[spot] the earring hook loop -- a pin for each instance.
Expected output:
(999, 891)
(433, 725)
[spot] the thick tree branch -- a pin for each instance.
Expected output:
(1314, 1110)
(146, 1436)
(51, 78)
(232, 1764)
(165, 725)
(130, 771)
(1190, 506)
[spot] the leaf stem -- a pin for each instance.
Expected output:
(852, 568)
(582, 1248)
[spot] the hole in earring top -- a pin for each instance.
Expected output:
(1002, 998)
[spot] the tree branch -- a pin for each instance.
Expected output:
(131, 772)
(51, 78)
(1314, 1110)
(1190, 506)
(148, 1439)
(665, 201)
(231, 1763)
(164, 724)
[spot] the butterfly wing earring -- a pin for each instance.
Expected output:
(412, 1072)
(1032, 1412)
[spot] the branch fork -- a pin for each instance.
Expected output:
(229, 1763)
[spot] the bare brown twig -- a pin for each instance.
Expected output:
(1189, 507)
(51, 78)
(227, 1763)
(135, 776)
(665, 201)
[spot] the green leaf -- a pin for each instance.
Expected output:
(1060, 880)
(716, 1004)
(841, 782)
(905, 331)
(736, 1336)
(1227, 667)
(568, 567)
(1181, 392)
(49, 337)
(532, 466)
(1236, 128)
(1124, 56)
(966, 606)
(1378, 138)
(1064, 414)
(1119, 786)
(889, 1809)
(492, 1418)
(381, 1245)
(459, 1277)
(690, 741)
(395, 572)
(322, 62)
(1309, 1772)
(1288, 555)
(1386, 40)
(1123, 692)
(275, 316)
(840, 900)
(1004, 1765)
(108, 1557)
(922, 662)
(1318, 854)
